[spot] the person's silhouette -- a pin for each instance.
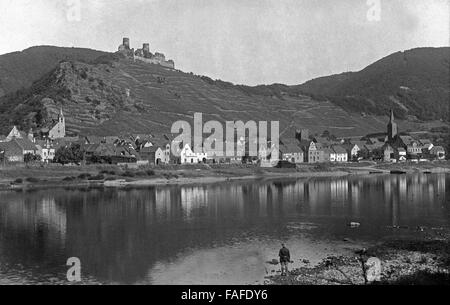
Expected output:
(285, 259)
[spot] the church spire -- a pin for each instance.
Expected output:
(392, 127)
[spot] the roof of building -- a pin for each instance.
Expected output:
(360, 144)
(437, 148)
(425, 141)
(372, 147)
(11, 148)
(150, 149)
(288, 140)
(94, 139)
(407, 140)
(339, 149)
(290, 148)
(25, 144)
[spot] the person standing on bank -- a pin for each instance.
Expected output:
(285, 259)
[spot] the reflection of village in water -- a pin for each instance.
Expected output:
(110, 229)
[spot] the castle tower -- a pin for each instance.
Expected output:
(392, 128)
(126, 43)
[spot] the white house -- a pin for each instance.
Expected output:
(402, 154)
(340, 154)
(189, 157)
(46, 152)
(354, 150)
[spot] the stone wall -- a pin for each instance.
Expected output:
(155, 61)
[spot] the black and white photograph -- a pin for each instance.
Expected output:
(224, 143)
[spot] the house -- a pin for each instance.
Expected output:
(16, 149)
(100, 150)
(159, 150)
(15, 134)
(190, 157)
(352, 151)
(45, 150)
(439, 152)
(317, 153)
(413, 147)
(269, 156)
(426, 145)
(401, 154)
(389, 153)
(11, 152)
(339, 154)
(26, 145)
(292, 153)
(155, 155)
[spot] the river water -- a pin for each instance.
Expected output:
(210, 234)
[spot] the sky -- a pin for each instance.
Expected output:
(243, 41)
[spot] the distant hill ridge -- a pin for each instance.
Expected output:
(414, 82)
(106, 94)
(20, 69)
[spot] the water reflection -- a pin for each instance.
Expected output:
(122, 235)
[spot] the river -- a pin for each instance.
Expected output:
(209, 234)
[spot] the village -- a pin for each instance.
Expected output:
(53, 146)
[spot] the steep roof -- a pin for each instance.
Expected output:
(425, 141)
(25, 144)
(150, 149)
(437, 149)
(290, 148)
(11, 148)
(339, 149)
(407, 140)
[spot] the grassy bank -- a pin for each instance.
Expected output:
(17, 177)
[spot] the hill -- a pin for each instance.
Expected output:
(414, 83)
(114, 95)
(20, 69)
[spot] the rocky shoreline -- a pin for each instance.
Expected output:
(420, 260)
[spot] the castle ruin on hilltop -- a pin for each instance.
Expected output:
(145, 55)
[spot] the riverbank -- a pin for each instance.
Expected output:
(32, 177)
(420, 260)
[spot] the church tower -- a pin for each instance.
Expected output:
(59, 130)
(392, 128)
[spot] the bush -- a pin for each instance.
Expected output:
(69, 179)
(32, 180)
(96, 178)
(18, 181)
(84, 176)
(150, 172)
(128, 174)
(140, 174)
(110, 179)
(107, 172)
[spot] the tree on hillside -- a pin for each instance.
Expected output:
(70, 154)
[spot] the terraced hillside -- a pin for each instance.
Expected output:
(118, 96)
